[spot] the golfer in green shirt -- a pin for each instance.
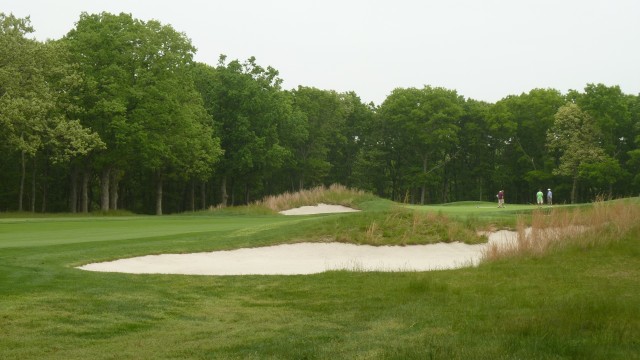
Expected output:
(539, 196)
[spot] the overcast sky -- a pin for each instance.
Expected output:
(484, 49)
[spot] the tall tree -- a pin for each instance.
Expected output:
(349, 140)
(610, 109)
(503, 127)
(140, 97)
(633, 163)
(475, 166)
(522, 122)
(428, 120)
(110, 52)
(247, 106)
(24, 94)
(35, 106)
(325, 116)
(575, 138)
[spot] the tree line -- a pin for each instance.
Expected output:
(117, 115)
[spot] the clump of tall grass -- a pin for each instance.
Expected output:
(335, 194)
(601, 223)
(399, 226)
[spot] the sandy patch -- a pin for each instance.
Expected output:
(308, 258)
(318, 209)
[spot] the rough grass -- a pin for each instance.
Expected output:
(383, 222)
(335, 194)
(549, 229)
(399, 226)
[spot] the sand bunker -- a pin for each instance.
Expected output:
(308, 258)
(318, 209)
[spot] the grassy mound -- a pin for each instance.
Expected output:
(381, 223)
(334, 194)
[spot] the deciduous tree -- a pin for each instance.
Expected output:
(576, 139)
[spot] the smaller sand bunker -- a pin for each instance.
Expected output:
(318, 209)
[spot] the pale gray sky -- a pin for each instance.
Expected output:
(484, 49)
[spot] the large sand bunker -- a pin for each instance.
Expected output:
(309, 258)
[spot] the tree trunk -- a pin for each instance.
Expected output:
(573, 189)
(73, 192)
(113, 189)
(223, 191)
(33, 187)
(193, 195)
(23, 175)
(203, 193)
(104, 189)
(45, 174)
(233, 193)
(85, 191)
(159, 193)
(423, 190)
(445, 190)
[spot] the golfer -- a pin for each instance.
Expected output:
(501, 198)
(539, 197)
(549, 197)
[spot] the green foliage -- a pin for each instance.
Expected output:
(140, 97)
(603, 173)
(634, 163)
(423, 132)
(324, 114)
(117, 114)
(36, 109)
(610, 109)
(575, 137)
(248, 110)
(518, 133)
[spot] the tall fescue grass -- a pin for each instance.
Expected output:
(550, 229)
(382, 224)
(335, 194)
(399, 226)
(392, 226)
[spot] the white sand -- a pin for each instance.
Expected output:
(318, 209)
(309, 258)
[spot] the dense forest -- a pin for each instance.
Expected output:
(118, 115)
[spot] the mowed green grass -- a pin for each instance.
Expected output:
(27, 232)
(485, 210)
(577, 303)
